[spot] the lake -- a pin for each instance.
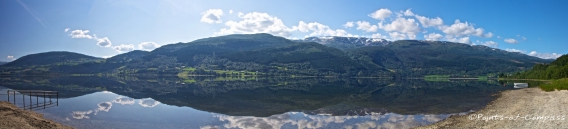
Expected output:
(254, 102)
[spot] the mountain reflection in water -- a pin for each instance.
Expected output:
(171, 102)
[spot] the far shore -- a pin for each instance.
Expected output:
(522, 108)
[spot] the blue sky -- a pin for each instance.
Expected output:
(105, 28)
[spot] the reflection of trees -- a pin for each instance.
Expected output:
(418, 96)
(256, 96)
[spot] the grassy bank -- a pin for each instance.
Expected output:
(560, 84)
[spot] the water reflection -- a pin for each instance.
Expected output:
(257, 102)
(81, 114)
(300, 120)
(124, 100)
(149, 102)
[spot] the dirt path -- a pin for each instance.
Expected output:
(14, 118)
(524, 108)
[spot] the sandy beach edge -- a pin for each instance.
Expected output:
(521, 108)
(15, 118)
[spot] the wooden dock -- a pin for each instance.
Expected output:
(50, 98)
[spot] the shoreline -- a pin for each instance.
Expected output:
(521, 108)
(14, 117)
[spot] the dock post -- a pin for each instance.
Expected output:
(44, 100)
(8, 92)
(30, 100)
(24, 100)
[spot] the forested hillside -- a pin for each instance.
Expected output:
(415, 58)
(555, 70)
(267, 55)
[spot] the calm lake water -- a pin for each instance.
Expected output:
(215, 102)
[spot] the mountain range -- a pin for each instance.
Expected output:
(346, 42)
(265, 54)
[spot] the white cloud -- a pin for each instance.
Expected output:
(319, 29)
(148, 46)
(397, 36)
(490, 44)
(381, 14)
(498, 36)
(545, 55)
(103, 42)
(366, 26)
(212, 16)
(524, 38)
(10, 57)
(378, 35)
(407, 26)
(80, 34)
(123, 48)
(429, 22)
(408, 13)
(511, 41)
(433, 37)
(230, 11)
(348, 24)
(536, 54)
(514, 50)
(489, 35)
(461, 29)
(465, 40)
(148, 102)
(256, 23)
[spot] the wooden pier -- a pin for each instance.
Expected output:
(50, 98)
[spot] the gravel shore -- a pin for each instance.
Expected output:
(11, 117)
(520, 109)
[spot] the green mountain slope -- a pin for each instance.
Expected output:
(52, 58)
(314, 55)
(415, 58)
(264, 54)
(555, 70)
(127, 57)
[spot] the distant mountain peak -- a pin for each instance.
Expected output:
(346, 42)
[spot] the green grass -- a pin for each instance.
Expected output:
(437, 76)
(189, 69)
(560, 84)
(482, 78)
(189, 81)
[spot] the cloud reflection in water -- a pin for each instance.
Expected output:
(106, 106)
(81, 114)
(123, 100)
(301, 120)
(148, 102)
